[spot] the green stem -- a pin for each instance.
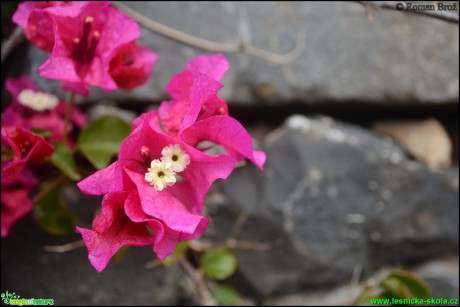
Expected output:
(49, 188)
(68, 115)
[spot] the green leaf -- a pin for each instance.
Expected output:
(63, 160)
(395, 288)
(416, 286)
(218, 264)
(226, 296)
(44, 133)
(396, 285)
(52, 213)
(101, 139)
(181, 249)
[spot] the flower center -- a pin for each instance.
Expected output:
(127, 59)
(159, 175)
(85, 46)
(162, 173)
(175, 158)
(24, 147)
(37, 101)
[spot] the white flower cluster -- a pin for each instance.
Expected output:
(162, 173)
(37, 101)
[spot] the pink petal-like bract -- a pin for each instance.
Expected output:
(194, 94)
(228, 133)
(112, 229)
(15, 197)
(36, 24)
(26, 147)
(15, 204)
(132, 65)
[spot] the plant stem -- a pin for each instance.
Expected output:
(64, 248)
(204, 295)
(68, 115)
(49, 188)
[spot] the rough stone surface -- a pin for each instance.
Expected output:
(341, 200)
(346, 57)
(69, 278)
(342, 296)
(427, 140)
(442, 276)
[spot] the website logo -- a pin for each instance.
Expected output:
(11, 298)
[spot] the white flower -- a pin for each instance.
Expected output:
(175, 158)
(159, 175)
(37, 101)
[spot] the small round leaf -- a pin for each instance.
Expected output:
(226, 296)
(218, 264)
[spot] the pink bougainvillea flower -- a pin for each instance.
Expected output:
(145, 167)
(121, 222)
(132, 65)
(184, 199)
(194, 94)
(228, 133)
(196, 113)
(87, 37)
(34, 109)
(25, 147)
(91, 44)
(15, 197)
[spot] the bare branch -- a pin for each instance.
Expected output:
(205, 297)
(153, 264)
(402, 7)
(11, 42)
(64, 248)
(254, 246)
(49, 188)
(212, 45)
(238, 226)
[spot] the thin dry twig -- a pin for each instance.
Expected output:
(240, 164)
(153, 264)
(232, 242)
(64, 248)
(238, 225)
(204, 295)
(254, 246)
(393, 5)
(49, 188)
(68, 114)
(11, 42)
(212, 45)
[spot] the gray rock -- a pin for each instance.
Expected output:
(341, 200)
(69, 279)
(442, 276)
(397, 58)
